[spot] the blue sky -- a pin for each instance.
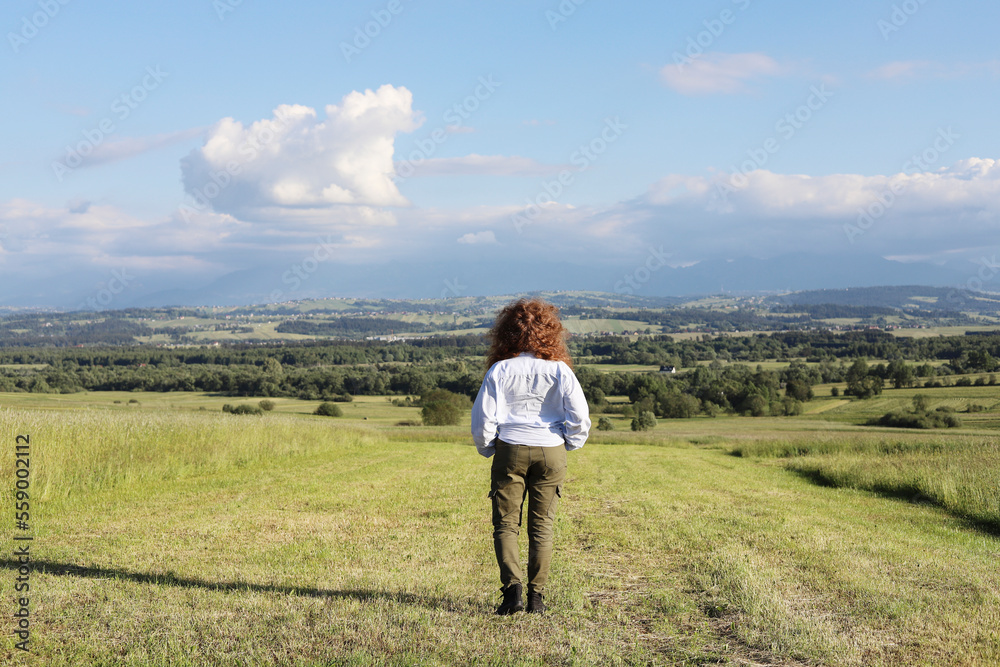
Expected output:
(709, 130)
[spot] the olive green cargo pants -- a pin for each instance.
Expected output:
(535, 473)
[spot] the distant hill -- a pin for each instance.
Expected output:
(900, 297)
(577, 281)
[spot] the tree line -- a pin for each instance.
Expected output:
(326, 371)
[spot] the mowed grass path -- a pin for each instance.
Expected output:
(374, 547)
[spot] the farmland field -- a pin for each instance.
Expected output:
(588, 326)
(165, 534)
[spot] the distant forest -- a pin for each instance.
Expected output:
(125, 327)
(333, 371)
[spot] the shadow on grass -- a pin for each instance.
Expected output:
(907, 493)
(437, 603)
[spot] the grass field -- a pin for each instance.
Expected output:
(169, 535)
(930, 332)
(575, 325)
(624, 368)
(956, 398)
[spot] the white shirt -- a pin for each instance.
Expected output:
(530, 401)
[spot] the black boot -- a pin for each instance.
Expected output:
(512, 602)
(535, 604)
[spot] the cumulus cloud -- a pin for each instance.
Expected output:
(87, 234)
(763, 213)
(297, 160)
(968, 184)
(720, 73)
(939, 213)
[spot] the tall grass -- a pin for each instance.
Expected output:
(960, 474)
(74, 452)
(964, 481)
(817, 444)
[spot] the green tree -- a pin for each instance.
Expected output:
(327, 409)
(272, 367)
(244, 409)
(756, 406)
(644, 422)
(861, 383)
(799, 390)
(443, 408)
(675, 405)
(901, 374)
(855, 375)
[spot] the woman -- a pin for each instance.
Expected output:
(529, 412)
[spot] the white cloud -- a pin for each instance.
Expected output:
(937, 214)
(84, 232)
(725, 73)
(926, 69)
(295, 160)
(907, 213)
(900, 69)
(968, 184)
(478, 238)
(114, 150)
(492, 165)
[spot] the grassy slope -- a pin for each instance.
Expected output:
(957, 398)
(290, 540)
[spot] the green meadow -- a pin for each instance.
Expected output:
(167, 532)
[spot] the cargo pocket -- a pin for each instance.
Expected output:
(506, 503)
(554, 504)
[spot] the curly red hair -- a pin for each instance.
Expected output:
(528, 325)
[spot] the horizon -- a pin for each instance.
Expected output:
(953, 300)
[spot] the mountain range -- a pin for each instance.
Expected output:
(504, 275)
